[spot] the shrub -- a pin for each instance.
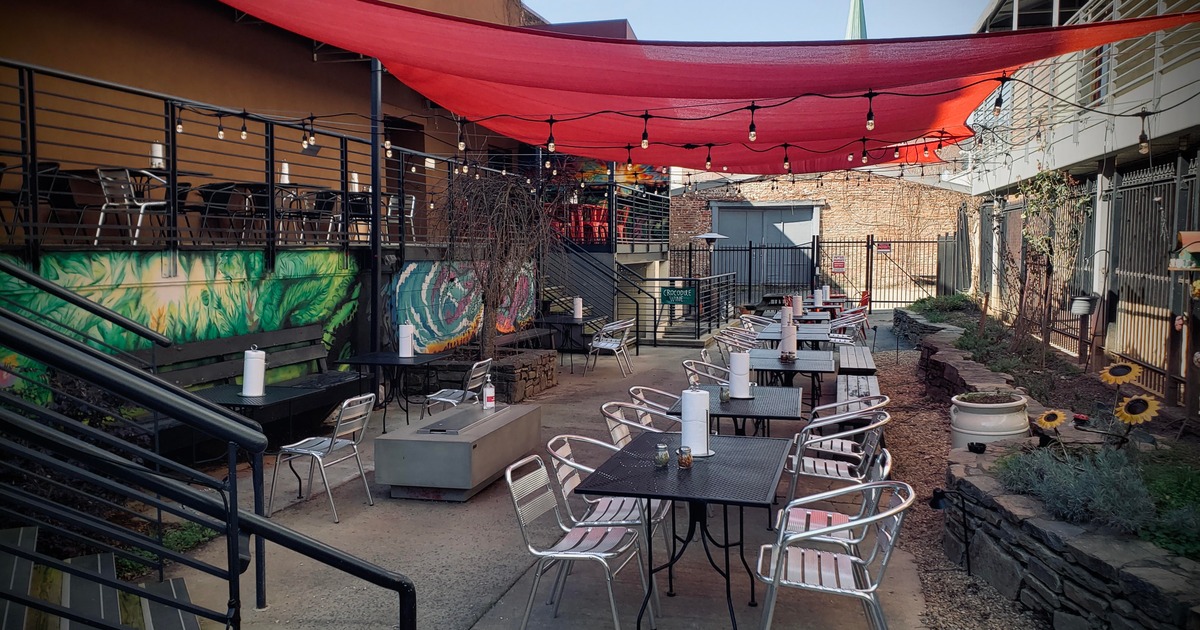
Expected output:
(944, 304)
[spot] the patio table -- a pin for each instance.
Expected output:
(742, 472)
(778, 403)
(395, 367)
(570, 333)
(814, 363)
(809, 317)
(813, 334)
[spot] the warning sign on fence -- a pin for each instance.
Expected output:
(839, 264)
(883, 247)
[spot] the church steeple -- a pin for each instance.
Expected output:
(856, 25)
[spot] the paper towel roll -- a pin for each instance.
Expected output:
(739, 375)
(817, 301)
(404, 339)
(353, 182)
(694, 421)
(787, 338)
(786, 315)
(283, 173)
(578, 308)
(797, 304)
(254, 372)
(825, 293)
(156, 155)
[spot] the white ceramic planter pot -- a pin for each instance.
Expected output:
(986, 422)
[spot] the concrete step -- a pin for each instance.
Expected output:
(90, 598)
(16, 573)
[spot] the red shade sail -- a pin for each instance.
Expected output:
(693, 100)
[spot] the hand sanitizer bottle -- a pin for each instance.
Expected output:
(489, 393)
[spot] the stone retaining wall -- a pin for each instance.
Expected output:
(1080, 576)
(516, 376)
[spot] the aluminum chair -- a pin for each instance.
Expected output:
(756, 321)
(120, 197)
(612, 338)
(348, 430)
(613, 548)
(792, 562)
(870, 459)
(622, 417)
(472, 383)
(705, 355)
(856, 412)
(601, 511)
(701, 373)
(653, 398)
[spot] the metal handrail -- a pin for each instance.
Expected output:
(75, 299)
(613, 275)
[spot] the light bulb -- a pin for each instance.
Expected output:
(304, 143)
(864, 156)
(550, 144)
(608, 170)
(870, 120)
(724, 168)
(582, 185)
(554, 172)
(547, 163)
(179, 127)
(504, 171)
(896, 153)
(462, 140)
(998, 104)
(476, 175)
(787, 166)
(629, 166)
(465, 168)
(312, 138)
(431, 205)
(753, 135)
(412, 169)
(1143, 143)
(387, 153)
(645, 140)
(387, 144)
(244, 134)
(528, 181)
(925, 152)
(220, 133)
(708, 164)
(850, 156)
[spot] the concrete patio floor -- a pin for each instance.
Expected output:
(469, 563)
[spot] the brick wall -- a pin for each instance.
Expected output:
(888, 207)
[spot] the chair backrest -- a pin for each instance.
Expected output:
(567, 469)
(623, 417)
(217, 196)
(865, 300)
(532, 495)
(862, 405)
(325, 201)
(410, 206)
(116, 186)
(705, 355)
(701, 373)
(652, 398)
(475, 378)
(353, 417)
(757, 321)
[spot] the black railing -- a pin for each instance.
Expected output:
(611, 217)
(64, 475)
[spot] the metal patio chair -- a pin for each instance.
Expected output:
(612, 338)
(869, 463)
(348, 430)
(793, 563)
(613, 548)
(622, 417)
(121, 198)
(653, 398)
(701, 373)
(472, 383)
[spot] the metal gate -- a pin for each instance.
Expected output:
(895, 272)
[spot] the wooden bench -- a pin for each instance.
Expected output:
(220, 362)
(856, 360)
(850, 386)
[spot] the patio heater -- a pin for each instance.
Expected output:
(711, 239)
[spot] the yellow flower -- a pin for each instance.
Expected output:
(1052, 418)
(1119, 373)
(1137, 409)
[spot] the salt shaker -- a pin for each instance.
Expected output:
(685, 457)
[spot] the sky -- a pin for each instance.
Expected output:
(768, 20)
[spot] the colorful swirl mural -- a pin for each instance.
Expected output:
(441, 300)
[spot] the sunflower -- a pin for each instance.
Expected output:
(1051, 419)
(1137, 409)
(1119, 373)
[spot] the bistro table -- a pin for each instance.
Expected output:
(806, 317)
(768, 403)
(253, 407)
(569, 330)
(395, 366)
(809, 333)
(742, 472)
(814, 363)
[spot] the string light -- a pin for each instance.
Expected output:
(896, 153)
(547, 163)
(303, 138)
(753, 133)
(550, 139)
(646, 130)
(312, 131)
(787, 164)
(244, 134)
(413, 168)
(628, 158)
(850, 156)
(870, 110)
(925, 151)
(179, 121)
(999, 95)
(864, 151)
(220, 128)
(708, 159)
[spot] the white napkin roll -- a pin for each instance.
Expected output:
(578, 308)
(254, 373)
(739, 375)
(694, 420)
(157, 155)
(283, 173)
(404, 339)
(787, 338)
(786, 315)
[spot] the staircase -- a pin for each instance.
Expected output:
(86, 591)
(608, 288)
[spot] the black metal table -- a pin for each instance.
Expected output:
(768, 403)
(570, 333)
(811, 317)
(814, 363)
(813, 334)
(230, 396)
(395, 366)
(742, 472)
